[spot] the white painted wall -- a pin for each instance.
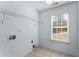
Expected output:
(20, 7)
(45, 29)
(24, 29)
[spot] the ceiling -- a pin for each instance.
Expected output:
(42, 5)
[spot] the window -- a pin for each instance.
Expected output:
(60, 28)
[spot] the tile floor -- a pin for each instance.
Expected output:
(45, 52)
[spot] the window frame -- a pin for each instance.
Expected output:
(66, 41)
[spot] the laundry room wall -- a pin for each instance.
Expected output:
(45, 28)
(25, 29)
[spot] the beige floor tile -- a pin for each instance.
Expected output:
(45, 52)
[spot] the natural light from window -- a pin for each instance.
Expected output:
(60, 28)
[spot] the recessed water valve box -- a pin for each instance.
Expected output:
(12, 37)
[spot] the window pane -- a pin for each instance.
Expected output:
(56, 30)
(59, 28)
(64, 27)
